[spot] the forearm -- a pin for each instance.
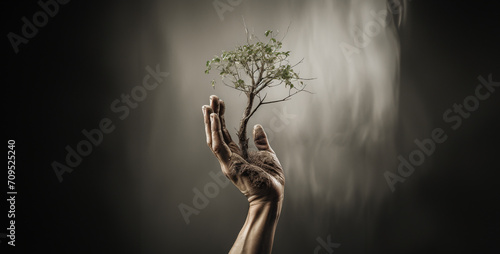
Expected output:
(257, 234)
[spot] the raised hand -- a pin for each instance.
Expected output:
(260, 179)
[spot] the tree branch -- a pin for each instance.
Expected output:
(261, 72)
(286, 98)
(264, 85)
(258, 105)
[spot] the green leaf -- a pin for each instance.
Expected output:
(243, 59)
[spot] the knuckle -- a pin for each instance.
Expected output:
(218, 147)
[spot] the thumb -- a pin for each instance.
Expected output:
(260, 139)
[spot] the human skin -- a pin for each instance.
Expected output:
(260, 179)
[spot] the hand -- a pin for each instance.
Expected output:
(260, 179)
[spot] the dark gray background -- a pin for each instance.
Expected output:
(124, 196)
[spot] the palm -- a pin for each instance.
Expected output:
(260, 178)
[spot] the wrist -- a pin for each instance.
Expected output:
(257, 234)
(267, 212)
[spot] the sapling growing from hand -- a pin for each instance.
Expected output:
(252, 69)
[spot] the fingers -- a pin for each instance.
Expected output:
(225, 132)
(260, 139)
(218, 137)
(219, 147)
(214, 103)
(207, 110)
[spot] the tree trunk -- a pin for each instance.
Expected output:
(242, 133)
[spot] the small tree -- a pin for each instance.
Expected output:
(251, 69)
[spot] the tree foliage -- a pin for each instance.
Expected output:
(251, 69)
